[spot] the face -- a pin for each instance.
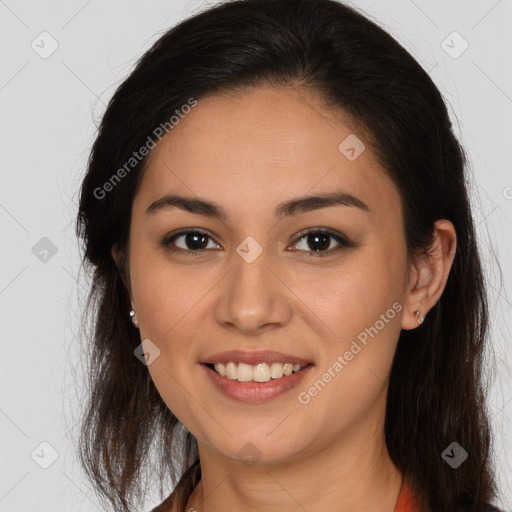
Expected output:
(317, 281)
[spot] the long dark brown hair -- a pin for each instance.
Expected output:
(437, 393)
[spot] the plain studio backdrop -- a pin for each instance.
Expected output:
(60, 64)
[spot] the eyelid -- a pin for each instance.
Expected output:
(168, 239)
(343, 241)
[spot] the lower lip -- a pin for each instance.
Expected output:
(255, 392)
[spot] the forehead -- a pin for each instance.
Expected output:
(264, 145)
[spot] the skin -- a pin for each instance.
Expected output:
(249, 152)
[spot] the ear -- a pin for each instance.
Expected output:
(429, 273)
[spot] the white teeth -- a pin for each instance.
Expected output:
(244, 373)
(231, 370)
(261, 372)
(220, 369)
(276, 370)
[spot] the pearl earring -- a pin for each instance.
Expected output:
(419, 316)
(134, 318)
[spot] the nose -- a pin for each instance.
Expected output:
(252, 298)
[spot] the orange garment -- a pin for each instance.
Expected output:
(406, 500)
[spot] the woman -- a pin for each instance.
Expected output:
(289, 305)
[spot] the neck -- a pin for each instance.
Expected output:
(353, 474)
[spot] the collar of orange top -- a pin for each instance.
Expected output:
(406, 500)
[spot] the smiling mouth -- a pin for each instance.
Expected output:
(261, 372)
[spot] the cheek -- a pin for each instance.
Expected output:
(378, 277)
(169, 306)
(353, 296)
(363, 310)
(361, 303)
(163, 292)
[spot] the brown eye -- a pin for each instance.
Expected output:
(318, 242)
(191, 241)
(315, 242)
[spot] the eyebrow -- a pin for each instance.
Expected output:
(286, 209)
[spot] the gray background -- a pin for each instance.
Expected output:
(50, 108)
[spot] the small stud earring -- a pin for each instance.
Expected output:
(134, 318)
(419, 316)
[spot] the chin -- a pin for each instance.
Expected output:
(259, 449)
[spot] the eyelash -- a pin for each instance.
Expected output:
(342, 240)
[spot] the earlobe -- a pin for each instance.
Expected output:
(429, 275)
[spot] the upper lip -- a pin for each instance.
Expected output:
(253, 358)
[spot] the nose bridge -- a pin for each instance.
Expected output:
(252, 296)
